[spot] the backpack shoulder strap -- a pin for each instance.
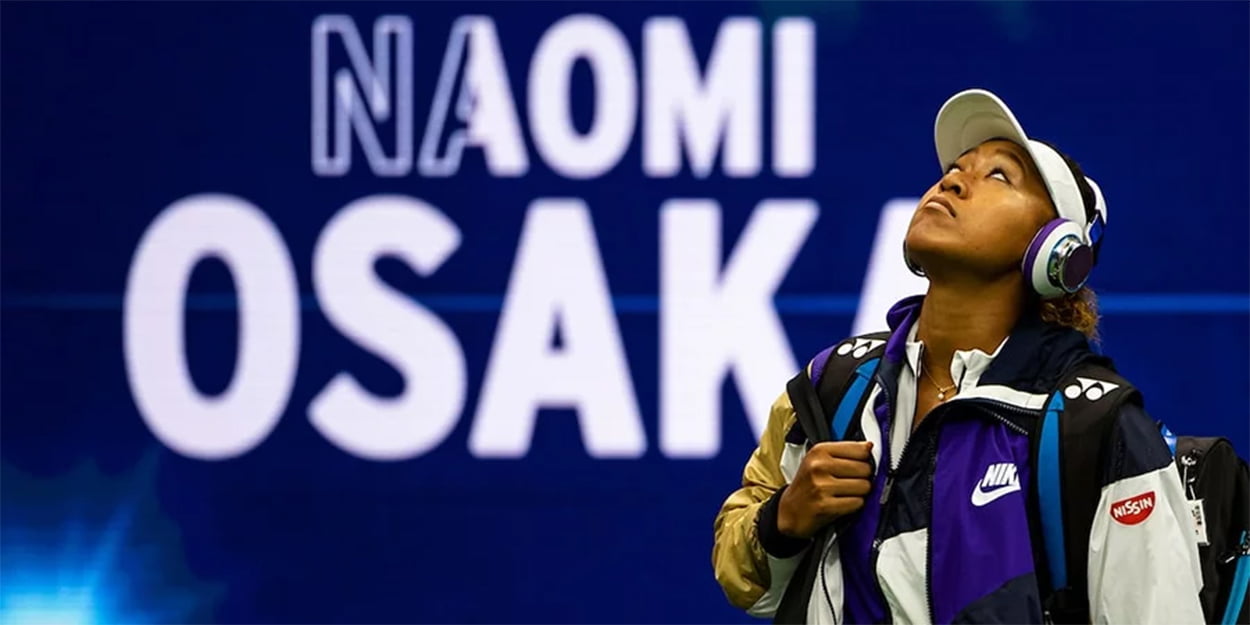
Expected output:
(828, 393)
(826, 396)
(1068, 445)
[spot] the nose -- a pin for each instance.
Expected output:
(952, 183)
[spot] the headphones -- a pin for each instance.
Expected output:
(1059, 259)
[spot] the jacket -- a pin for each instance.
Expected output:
(947, 535)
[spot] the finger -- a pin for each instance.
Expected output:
(848, 505)
(850, 487)
(854, 450)
(844, 467)
(840, 506)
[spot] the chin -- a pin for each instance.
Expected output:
(924, 242)
(947, 259)
(935, 248)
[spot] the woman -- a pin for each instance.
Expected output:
(944, 531)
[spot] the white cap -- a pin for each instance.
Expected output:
(975, 116)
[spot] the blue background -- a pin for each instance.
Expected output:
(113, 111)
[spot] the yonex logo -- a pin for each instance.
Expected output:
(1000, 479)
(1093, 390)
(859, 347)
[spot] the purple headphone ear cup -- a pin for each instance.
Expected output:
(1035, 246)
(1058, 259)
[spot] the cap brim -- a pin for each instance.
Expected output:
(975, 116)
(971, 118)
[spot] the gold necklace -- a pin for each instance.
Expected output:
(941, 391)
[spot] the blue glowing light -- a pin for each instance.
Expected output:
(87, 548)
(50, 606)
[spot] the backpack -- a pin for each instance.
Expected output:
(1067, 441)
(1211, 471)
(1216, 481)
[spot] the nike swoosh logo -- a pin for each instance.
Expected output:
(981, 498)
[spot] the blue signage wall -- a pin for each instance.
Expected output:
(470, 312)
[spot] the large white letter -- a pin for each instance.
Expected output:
(713, 322)
(484, 106)
(794, 97)
(389, 324)
(681, 105)
(359, 109)
(887, 280)
(239, 234)
(564, 149)
(558, 284)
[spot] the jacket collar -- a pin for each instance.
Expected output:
(1034, 358)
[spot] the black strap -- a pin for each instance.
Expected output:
(814, 402)
(814, 405)
(807, 409)
(1091, 405)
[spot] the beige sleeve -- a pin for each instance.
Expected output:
(739, 561)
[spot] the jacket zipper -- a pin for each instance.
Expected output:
(928, 552)
(824, 584)
(988, 406)
(881, 524)
(892, 472)
(885, 493)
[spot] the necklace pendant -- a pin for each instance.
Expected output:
(941, 395)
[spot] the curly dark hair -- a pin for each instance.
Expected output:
(1078, 311)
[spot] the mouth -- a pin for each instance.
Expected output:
(941, 204)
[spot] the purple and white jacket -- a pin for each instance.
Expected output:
(945, 536)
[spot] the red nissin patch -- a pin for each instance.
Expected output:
(1133, 510)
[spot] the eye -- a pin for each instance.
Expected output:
(953, 167)
(999, 174)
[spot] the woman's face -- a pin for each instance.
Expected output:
(980, 217)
